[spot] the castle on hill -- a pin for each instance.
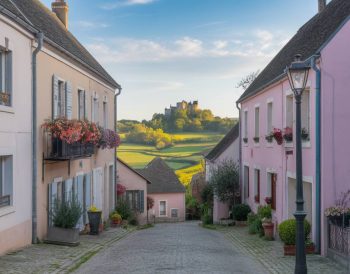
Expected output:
(183, 105)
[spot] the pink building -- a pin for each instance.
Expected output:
(226, 149)
(166, 190)
(136, 189)
(268, 169)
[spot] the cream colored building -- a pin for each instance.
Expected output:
(70, 83)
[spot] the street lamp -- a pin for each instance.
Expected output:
(298, 73)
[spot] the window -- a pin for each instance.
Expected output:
(95, 108)
(245, 130)
(271, 188)
(81, 104)
(135, 200)
(105, 115)
(257, 125)
(305, 113)
(162, 208)
(5, 77)
(61, 103)
(269, 118)
(289, 111)
(246, 181)
(6, 181)
(174, 213)
(257, 185)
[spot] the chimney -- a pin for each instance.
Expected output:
(60, 8)
(321, 5)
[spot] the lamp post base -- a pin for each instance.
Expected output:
(300, 256)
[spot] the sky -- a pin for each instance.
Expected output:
(165, 51)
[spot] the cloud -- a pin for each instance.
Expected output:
(90, 24)
(258, 43)
(209, 24)
(124, 3)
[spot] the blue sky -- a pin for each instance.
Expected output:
(163, 51)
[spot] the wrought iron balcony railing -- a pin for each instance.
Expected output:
(56, 149)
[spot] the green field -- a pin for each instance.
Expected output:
(184, 157)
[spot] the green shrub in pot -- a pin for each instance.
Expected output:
(66, 214)
(287, 231)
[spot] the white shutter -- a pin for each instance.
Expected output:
(69, 100)
(68, 189)
(87, 196)
(52, 198)
(55, 95)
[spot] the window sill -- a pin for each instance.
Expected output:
(269, 145)
(7, 210)
(256, 144)
(7, 109)
(290, 144)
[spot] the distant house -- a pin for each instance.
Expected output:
(226, 149)
(136, 189)
(166, 190)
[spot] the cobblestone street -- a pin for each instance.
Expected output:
(270, 254)
(172, 248)
(45, 258)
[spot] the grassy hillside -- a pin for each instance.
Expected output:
(184, 157)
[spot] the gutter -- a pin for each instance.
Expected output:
(240, 152)
(115, 149)
(318, 152)
(40, 39)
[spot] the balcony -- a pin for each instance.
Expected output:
(58, 150)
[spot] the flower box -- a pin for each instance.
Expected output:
(277, 134)
(5, 99)
(290, 250)
(245, 140)
(305, 134)
(288, 134)
(256, 139)
(63, 236)
(269, 138)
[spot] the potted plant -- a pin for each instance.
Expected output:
(269, 137)
(287, 232)
(256, 139)
(109, 139)
(288, 134)
(265, 215)
(116, 219)
(65, 216)
(95, 216)
(4, 98)
(240, 214)
(305, 134)
(277, 134)
(245, 140)
(339, 214)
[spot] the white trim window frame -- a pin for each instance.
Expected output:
(257, 124)
(161, 210)
(6, 180)
(177, 212)
(245, 126)
(81, 104)
(6, 98)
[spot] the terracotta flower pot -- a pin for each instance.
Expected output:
(268, 230)
(289, 250)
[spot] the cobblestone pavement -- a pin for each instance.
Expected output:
(172, 248)
(45, 258)
(270, 253)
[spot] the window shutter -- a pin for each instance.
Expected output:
(85, 105)
(54, 97)
(68, 189)
(1, 60)
(8, 80)
(69, 100)
(52, 197)
(87, 195)
(142, 201)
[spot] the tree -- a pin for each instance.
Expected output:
(150, 204)
(225, 182)
(247, 80)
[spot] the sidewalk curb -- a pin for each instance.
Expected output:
(72, 265)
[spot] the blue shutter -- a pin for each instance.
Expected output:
(87, 195)
(79, 195)
(55, 92)
(68, 189)
(52, 197)
(8, 80)
(142, 201)
(69, 100)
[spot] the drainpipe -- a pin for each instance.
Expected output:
(115, 150)
(40, 39)
(240, 152)
(318, 152)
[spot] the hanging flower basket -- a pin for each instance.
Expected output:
(277, 134)
(288, 134)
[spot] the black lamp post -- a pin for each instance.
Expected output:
(298, 73)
